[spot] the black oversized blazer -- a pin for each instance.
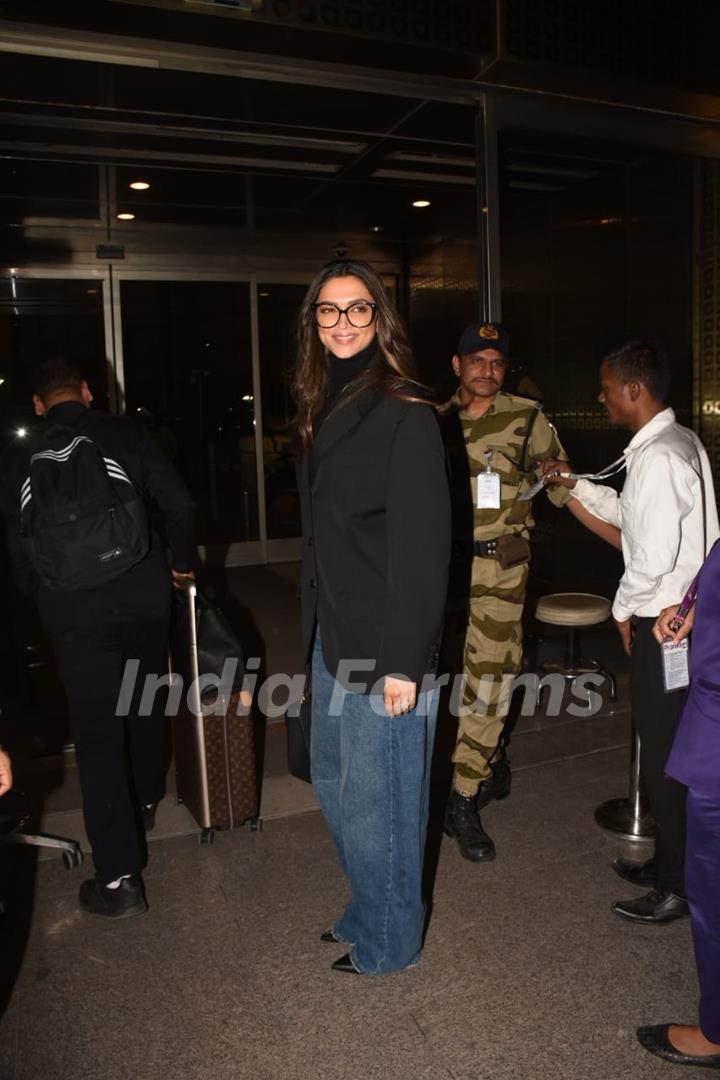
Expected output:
(376, 537)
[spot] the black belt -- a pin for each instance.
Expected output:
(485, 547)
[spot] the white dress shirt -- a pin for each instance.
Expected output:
(666, 533)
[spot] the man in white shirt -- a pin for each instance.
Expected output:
(668, 521)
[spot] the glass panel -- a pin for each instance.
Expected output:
(278, 306)
(188, 374)
(40, 320)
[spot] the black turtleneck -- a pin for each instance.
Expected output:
(342, 372)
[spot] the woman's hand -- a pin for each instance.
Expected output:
(665, 628)
(6, 779)
(552, 470)
(399, 696)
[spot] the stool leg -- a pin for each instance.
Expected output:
(571, 649)
(611, 679)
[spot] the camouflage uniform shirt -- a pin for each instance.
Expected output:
(501, 431)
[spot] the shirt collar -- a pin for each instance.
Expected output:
(501, 403)
(653, 427)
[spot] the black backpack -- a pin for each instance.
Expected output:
(82, 520)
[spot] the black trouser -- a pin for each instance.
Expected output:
(122, 760)
(656, 714)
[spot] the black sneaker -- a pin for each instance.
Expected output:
(120, 903)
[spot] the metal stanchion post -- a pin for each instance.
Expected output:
(628, 818)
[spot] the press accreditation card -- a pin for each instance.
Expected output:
(488, 490)
(676, 666)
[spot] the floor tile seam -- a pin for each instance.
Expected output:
(561, 722)
(571, 757)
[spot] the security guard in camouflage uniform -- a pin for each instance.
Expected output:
(494, 440)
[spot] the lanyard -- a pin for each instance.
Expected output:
(609, 470)
(689, 598)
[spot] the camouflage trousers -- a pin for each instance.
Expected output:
(491, 659)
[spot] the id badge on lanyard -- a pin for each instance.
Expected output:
(675, 665)
(488, 486)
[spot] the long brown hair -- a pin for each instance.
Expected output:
(397, 376)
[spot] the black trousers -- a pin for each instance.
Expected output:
(122, 760)
(656, 714)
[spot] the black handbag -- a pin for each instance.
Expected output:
(216, 643)
(298, 727)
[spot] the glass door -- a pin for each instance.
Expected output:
(187, 360)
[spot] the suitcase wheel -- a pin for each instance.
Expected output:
(254, 824)
(206, 836)
(72, 858)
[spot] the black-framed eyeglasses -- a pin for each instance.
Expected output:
(359, 314)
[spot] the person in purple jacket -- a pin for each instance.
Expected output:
(695, 761)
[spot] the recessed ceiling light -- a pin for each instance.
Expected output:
(421, 203)
(126, 217)
(376, 228)
(264, 293)
(139, 185)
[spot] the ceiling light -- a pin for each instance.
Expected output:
(126, 217)
(264, 293)
(421, 203)
(1, 382)
(21, 432)
(139, 185)
(377, 228)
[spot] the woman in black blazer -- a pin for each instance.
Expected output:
(376, 542)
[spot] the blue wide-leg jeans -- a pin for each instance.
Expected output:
(371, 774)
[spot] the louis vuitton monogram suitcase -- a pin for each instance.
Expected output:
(215, 764)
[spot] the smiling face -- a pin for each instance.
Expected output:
(481, 375)
(345, 340)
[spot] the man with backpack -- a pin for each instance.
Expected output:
(74, 497)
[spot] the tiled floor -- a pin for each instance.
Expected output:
(526, 974)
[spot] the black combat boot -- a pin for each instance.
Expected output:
(463, 823)
(496, 786)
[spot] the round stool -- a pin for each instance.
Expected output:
(574, 612)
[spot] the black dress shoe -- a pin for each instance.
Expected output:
(344, 963)
(128, 899)
(644, 875)
(653, 909)
(496, 786)
(330, 936)
(655, 1039)
(463, 823)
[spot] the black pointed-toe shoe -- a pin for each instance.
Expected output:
(644, 875)
(329, 935)
(120, 903)
(344, 963)
(655, 1040)
(653, 909)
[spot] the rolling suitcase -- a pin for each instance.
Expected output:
(214, 739)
